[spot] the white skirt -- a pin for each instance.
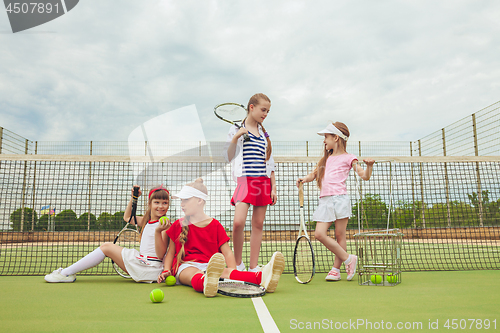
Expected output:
(141, 270)
(332, 207)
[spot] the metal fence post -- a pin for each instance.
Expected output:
(90, 189)
(24, 186)
(413, 189)
(446, 181)
(421, 184)
(1, 138)
(361, 211)
(478, 175)
(34, 183)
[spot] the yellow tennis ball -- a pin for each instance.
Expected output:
(164, 220)
(156, 295)
(170, 280)
(392, 278)
(376, 279)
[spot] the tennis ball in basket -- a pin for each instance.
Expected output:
(164, 220)
(170, 280)
(156, 295)
(376, 279)
(392, 278)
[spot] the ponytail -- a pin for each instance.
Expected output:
(182, 240)
(269, 148)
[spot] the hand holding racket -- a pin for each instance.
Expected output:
(304, 265)
(232, 113)
(129, 236)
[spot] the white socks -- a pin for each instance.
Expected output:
(241, 267)
(92, 259)
(348, 260)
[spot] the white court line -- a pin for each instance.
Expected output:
(266, 320)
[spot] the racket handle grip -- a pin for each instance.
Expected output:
(135, 195)
(301, 194)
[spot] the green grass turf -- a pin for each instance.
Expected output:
(43, 259)
(113, 304)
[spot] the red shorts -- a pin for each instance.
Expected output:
(253, 190)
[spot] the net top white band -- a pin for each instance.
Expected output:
(189, 192)
(331, 129)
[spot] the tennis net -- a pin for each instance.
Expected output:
(57, 208)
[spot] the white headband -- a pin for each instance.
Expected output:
(331, 129)
(189, 192)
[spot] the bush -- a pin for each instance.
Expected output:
(43, 223)
(66, 220)
(83, 221)
(15, 219)
(104, 221)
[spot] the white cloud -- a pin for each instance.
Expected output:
(390, 70)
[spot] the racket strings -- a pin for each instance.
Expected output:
(304, 260)
(233, 113)
(239, 288)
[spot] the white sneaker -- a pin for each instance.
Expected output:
(271, 272)
(215, 267)
(56, 276)
(241, 267)
(333, 275)
(351, 267)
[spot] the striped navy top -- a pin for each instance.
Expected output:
(254, 157)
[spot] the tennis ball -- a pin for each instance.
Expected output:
(392, 278)
(170, 280)
(156, 295)
(164, 220)
(376, 279)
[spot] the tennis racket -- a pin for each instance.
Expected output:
(241, 289)
(129, 236)
(232, 113)
(303, 257)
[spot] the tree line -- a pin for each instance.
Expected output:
(66, 220)
(417, 214)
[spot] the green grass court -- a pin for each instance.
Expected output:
(33, 259)
(113, 304)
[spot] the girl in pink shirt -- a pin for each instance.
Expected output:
(331, 174)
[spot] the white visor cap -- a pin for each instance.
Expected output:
(189, 192)
(331, 129)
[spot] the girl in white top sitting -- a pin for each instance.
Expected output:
(142, 266)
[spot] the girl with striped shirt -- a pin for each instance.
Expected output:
(253, 170)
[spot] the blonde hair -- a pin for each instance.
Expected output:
(254, 100)
(319, 171)
(183, 236)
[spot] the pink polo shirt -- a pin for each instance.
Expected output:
(336, 173)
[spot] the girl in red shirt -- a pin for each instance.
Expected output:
(199, 249)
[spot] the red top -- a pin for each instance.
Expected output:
(201, 244)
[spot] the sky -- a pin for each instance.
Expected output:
(390, 70)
